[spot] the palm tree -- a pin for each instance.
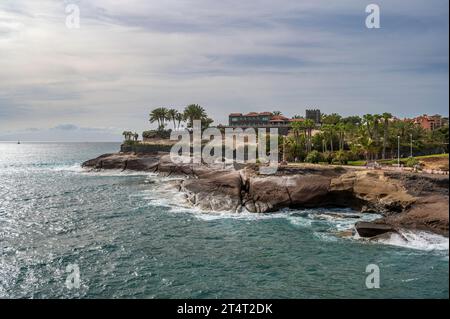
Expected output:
(341, 127)
(154, 117)
(386, 117)
(297, 128)
(179, 118)
(367, 144)
(172, 114)
(159, 115)
(329, 130)
(135, 136)
(309, 125)
(367, 122)
(376, 131)
(194, 112)
(127, 135)
(164, 116)
(332, 118)
(276, 113)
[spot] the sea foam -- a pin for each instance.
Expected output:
(419, 240)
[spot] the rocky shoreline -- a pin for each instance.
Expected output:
(406, 200)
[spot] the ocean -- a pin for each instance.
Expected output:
(129, 236)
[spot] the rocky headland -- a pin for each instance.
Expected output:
(406, 200)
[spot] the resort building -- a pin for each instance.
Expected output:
(263, 119)
(252, 119)
(431, 122)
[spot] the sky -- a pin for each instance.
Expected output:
(128, 57)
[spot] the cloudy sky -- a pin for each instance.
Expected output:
(127, 57)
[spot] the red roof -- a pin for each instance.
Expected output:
(279, 118)
(252, 114)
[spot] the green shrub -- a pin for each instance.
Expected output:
(164, 134)
(328, 157)
(131, 142)
(340, 157)
(353, 156)
(411, 162)
(314, 157)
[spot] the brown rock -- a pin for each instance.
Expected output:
(369, 229)
(429, 214)
(217, 191)
(407, 200)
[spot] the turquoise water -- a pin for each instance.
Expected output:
(131, 238)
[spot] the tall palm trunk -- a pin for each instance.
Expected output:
(385, 137)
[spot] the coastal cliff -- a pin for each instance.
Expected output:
(406, 200)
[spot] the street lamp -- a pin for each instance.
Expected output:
(398, 150)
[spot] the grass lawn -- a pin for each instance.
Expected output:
(356, 163)
(434, 155)
(402, 160)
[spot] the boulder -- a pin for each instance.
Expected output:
(429, 213)
(216, 191)
(372, 229)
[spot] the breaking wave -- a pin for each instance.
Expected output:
(419, 240)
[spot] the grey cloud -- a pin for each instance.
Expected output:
(66, 127)
(128, 57)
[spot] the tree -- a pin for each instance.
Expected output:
(127, 135)
(154, 117)
(367, 121)
(293, 149)
(276, 113)
(376, 131)
(386, 117)
(354, 120)
(298, 128)
(329, 132)
(179, 118)
(366, 144)
(172, 115)
(314, 157)
(332, 118)
(196, 112)
(308, 125)
(340, 128)
(159, 115)
(340, 157)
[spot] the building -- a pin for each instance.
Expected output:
(431, 122)
(263, 119)
(252, 119)
(315, 115)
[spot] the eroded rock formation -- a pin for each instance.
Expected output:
(398, 197)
